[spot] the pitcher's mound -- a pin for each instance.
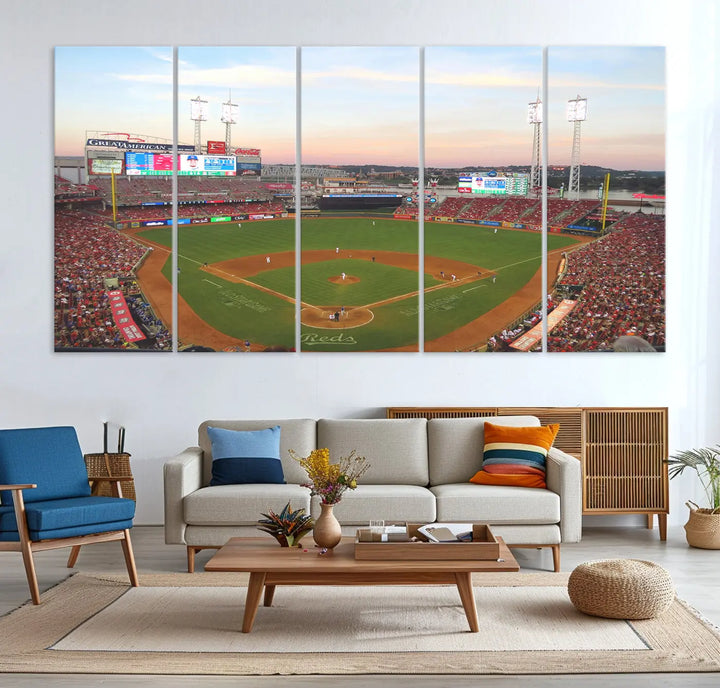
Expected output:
(338, 279)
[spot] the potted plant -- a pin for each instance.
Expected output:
(288, 527)
(703, 527)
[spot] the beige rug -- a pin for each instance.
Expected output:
(189, 623)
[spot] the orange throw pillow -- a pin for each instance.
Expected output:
(515, 456)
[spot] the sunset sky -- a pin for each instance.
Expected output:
(361, 105)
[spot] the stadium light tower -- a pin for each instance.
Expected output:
(198, 113)
(577, 114)
(535, 118)
(229, 117)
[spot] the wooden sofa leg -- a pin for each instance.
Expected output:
(556, 557)
(129, 559)
(72, 559)
(191, 559)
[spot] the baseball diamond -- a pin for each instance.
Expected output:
(359, 283)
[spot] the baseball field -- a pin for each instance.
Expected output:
(359, 283)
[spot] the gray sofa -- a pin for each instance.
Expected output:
(419, 472)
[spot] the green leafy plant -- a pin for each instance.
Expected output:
(706, 463)
(288, 527)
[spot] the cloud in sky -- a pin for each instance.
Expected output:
(365, 100)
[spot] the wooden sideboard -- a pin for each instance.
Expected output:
(622, 451)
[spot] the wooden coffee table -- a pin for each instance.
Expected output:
(270, 565)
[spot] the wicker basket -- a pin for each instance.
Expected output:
(703, 527)
(109, 466)
(621, 589)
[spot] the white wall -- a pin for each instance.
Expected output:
(162, 398)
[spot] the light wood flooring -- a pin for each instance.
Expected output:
(695, 572)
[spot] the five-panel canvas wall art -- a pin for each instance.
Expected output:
(439, 199)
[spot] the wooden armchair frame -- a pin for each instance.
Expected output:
(27, 546)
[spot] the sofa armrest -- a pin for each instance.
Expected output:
(564, 477)
(182, 475)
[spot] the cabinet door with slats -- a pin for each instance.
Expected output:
(624, 467)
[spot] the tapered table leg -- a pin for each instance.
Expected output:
(467, 597)
(269, 593)
(252, 600)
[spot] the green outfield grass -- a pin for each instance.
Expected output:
(246, 312)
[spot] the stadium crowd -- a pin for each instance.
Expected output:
(86, 253)
(133, 190)
(164, 212)
(501, 341)
(619, 282)
(527, 211)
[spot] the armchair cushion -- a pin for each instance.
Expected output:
(56, 518)
(48, 457)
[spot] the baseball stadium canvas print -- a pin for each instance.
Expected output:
(483, 199)
(236, 244)
(111, 104)
(360, 267)
(606, 129)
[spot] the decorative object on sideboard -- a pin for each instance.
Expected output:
(703, 527)
(288, 527)
(329, 481)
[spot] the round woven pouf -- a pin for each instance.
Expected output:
(621, 589)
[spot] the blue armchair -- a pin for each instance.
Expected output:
(45, 499)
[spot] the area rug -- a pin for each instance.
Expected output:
(189, 624)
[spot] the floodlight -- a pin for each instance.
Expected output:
(577, 109)
(229, 113)
(198, 110)
(535, 112)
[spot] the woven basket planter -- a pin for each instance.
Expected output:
(621, 589)
(110, 466)
(703, 527)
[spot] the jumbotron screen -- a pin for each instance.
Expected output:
(155, 164)
(513, 185)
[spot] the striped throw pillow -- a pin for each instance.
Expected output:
(515, 456)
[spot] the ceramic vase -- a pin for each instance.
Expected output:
(326, 532)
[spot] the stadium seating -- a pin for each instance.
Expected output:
(619, 284)
(87, 252)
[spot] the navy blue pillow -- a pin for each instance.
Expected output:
(245, 456)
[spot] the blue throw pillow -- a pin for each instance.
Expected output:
(245, 456)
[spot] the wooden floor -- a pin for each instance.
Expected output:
(695, 572)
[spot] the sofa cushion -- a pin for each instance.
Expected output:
(515, 456)
(396, 449)
(382, 502)
(245, 456)
(296, 433)
(495, 504)
(455, 445)
(241, 504)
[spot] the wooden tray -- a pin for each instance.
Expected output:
(483, 546)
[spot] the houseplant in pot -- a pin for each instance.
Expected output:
(288, 527)
(703, 527)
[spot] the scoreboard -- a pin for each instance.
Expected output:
(148, 163)
(512, 185)
(156, 164)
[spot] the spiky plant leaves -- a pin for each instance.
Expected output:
(288, 527)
